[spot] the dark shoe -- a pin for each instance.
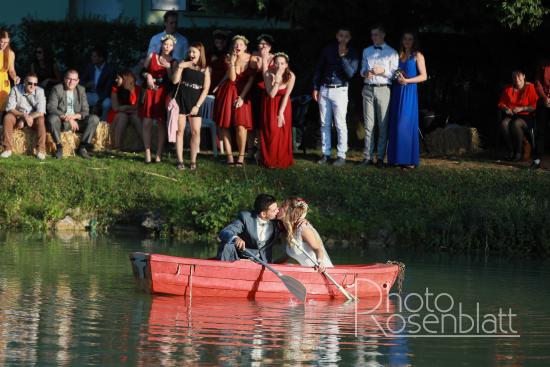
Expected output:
(83, 153)
(180, 166)
(59, 152)
(339, 162)
(193, 166)
(367, 163)
(324, 160)
(380, 164)
(535, 164)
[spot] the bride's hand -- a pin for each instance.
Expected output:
(301, 222)
(321, 268)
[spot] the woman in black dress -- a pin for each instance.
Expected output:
(193, 82)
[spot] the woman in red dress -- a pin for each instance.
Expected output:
(276, 132)
(124, 98)
(232, 106)
(158, 74)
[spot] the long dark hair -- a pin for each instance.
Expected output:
(286, 74)
(415, 46)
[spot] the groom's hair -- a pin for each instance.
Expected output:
(263, 202)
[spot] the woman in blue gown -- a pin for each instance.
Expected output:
(403, 145)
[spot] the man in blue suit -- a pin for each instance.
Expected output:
(98, 79)
(256, 230)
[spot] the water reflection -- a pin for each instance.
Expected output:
(269, 330)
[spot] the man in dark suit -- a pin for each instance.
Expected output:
(68, 110)
(98, 79)
(257, 230)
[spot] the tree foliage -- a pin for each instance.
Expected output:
(449, 15)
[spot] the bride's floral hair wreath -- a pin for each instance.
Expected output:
(240, 37)
(168, 37)
(300, 203)
(281, 54)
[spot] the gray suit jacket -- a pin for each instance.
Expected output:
(245, 226)
(57, 101)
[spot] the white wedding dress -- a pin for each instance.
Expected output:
(297, 255)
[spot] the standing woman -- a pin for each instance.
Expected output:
(232, 106)
(45, 68)
(403, 145)
(193, 79)
(7, 70)
(262, 60)
(159, 71)
(276, 132)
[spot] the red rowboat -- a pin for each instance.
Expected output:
(162, 274)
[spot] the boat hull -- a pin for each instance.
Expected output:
(162, 274)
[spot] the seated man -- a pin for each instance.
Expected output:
(255, 230)
(518, 102)
(68, 110)
(26, 107)
(98, 78)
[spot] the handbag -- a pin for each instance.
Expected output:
(172, 118)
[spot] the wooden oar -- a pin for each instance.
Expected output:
(348, 295)
(293, 285)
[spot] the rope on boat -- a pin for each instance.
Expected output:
(400, 274)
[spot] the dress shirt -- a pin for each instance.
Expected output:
(332, 69)
(180, 48)
(265, 230)
(26, 102)
(386, 57)
(97, 74)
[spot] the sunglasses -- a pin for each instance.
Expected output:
(32, 83)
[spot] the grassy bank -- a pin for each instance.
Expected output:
(458, 206)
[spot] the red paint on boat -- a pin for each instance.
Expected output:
(162, 274)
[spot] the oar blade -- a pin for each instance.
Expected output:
(295, 287)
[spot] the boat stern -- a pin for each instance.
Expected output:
(141, 270)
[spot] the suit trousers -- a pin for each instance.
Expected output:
(86, 126)
(333, 102)
(376, 102)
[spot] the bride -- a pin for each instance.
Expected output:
(300, 234)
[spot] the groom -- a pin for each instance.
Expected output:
(255, 230)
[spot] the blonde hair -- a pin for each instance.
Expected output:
(296, 210)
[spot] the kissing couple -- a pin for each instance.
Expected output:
(268, 225)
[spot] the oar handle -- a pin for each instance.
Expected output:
(259, 260)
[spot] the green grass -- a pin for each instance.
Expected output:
(437, 206)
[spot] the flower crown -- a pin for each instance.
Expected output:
(282, 54)
(240, 37)
(300, 203)
(169, 37)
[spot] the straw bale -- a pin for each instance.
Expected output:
(454, 140)
(24, 141)
(104, 136)
(69, 140)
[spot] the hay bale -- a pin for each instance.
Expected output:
(454, 140)
(104, 136)
(69, 140)
(24, 141)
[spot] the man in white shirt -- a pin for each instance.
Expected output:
(26, 107)
(170, 27)
(378, 66)
(256, 230)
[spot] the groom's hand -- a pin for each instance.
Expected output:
(239, 243)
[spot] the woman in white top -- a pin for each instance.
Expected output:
(300, 234)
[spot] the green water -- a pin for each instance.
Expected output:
(72, 302)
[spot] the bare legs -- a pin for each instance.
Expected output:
(226, 137)
(147, 128)
(195, 123)
(241, 143)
